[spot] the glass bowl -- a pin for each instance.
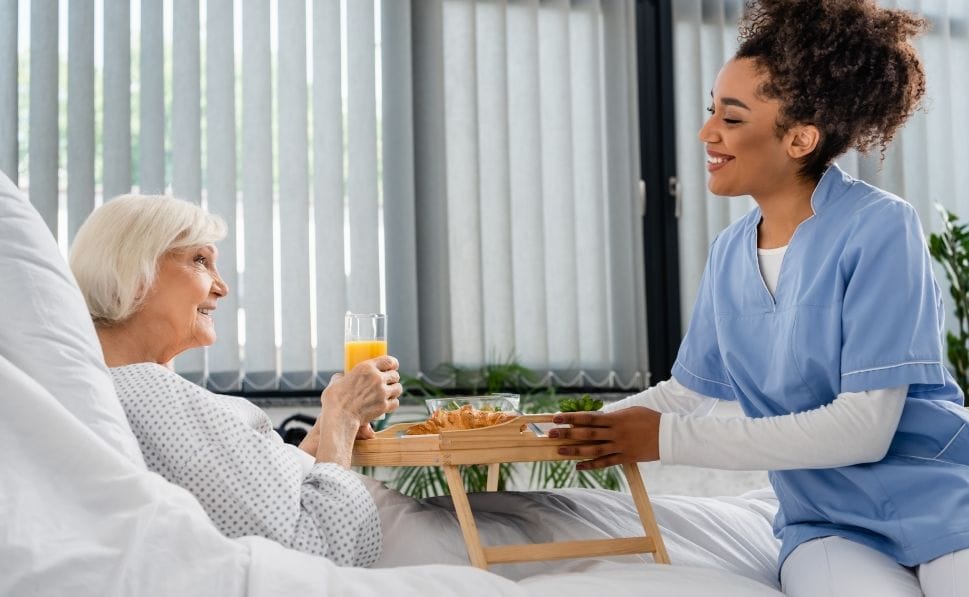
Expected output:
(494, 402)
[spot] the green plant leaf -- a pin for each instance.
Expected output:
(950, 248)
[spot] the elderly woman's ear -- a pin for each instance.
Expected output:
(140, 292)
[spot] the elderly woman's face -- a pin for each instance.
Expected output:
(179, 305)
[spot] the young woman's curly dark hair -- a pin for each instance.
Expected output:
(845, 66)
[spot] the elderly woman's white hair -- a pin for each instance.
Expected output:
(116, 252)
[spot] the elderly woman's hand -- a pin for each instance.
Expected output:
(370, 389)
(350, 402)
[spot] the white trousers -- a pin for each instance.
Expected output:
(837, 567)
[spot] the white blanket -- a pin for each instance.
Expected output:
(731, 534)
(78, 518)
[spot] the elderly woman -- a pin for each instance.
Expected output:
(147, 269)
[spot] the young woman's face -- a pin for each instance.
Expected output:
(178, 308)
(745, 155)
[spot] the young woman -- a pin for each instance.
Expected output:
(819, 315)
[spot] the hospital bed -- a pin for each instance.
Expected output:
(81, 515)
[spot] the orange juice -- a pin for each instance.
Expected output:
(360, 350)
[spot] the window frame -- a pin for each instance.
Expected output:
(657, 139)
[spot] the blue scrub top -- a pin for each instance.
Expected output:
(856, 308)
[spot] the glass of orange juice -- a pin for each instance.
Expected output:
(365, 337)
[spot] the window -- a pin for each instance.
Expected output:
(468, 166)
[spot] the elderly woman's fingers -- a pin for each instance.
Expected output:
(393, 393)
(365, 431)
(392, 377)
(386, 363)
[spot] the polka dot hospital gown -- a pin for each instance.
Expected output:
(223, 449)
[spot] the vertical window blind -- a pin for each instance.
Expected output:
(526, 162)
(468, 166)
(923, 165)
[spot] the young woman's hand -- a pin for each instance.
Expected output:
(627, 435)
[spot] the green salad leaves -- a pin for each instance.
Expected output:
(583, 403)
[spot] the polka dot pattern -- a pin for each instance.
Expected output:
(223, 449)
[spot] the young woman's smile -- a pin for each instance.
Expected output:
(716, 161)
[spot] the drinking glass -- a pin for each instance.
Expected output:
(365, 337)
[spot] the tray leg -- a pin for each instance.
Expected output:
(641, 499)
(463, 509)
(493, 471)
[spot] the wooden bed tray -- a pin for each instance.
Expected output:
(512, 441)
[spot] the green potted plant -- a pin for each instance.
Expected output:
(951, 249)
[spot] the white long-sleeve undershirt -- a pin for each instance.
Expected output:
(698, 430)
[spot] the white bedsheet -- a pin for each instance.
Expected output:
(729, 533)
(77, 518)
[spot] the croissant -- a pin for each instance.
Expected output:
(466, 417)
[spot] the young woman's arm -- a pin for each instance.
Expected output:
(856, 427)
(688, 428)
(673, 397)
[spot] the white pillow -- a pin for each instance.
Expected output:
(47, 331)
(78, 518)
